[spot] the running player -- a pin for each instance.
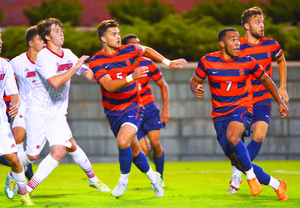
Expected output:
(263, 50)
(8, 146)
(229, 81)
(115, 69)
(152, 121)
(47, 105)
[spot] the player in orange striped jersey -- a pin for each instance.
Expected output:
(229, 81)
(115, 69)
(152, 121)
(263, 50)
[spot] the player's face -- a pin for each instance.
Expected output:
(256, 25)
(232, 43)
(133, 41)
(1, 42)
(113, 38)
(56, 36)
(37, 43)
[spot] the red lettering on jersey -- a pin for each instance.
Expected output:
(2, 76)
(30, 74)
(64, 67)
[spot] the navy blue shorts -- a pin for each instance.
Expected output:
(241, 115)
(151, 120)
(132, 117)
(261, 113)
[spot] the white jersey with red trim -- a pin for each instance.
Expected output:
(24, 69)
(7, 83)
(44, 98)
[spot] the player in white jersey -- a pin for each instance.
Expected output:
(47, 106)
(24, 68)
(8, 146)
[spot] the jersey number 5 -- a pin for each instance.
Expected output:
(119, 75)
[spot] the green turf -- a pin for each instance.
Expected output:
(188, 184)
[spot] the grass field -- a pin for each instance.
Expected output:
(188, 184)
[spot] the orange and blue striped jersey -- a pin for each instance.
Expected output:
(118, 66)
(143, 83)
(263, 52)
(229, 82)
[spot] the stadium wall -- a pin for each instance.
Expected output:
(190, 134)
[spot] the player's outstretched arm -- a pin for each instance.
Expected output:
(281, 62)
(89, 75)
(154, 55)
(196, 86)
(271, 87)
(114, 85)
(14, 105)
(58, 80)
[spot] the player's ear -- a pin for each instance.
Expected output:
(47, 37)
(247, 26)
(103, 39)
(30, 43)
(222, 44)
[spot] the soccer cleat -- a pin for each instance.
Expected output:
(255, 186)
(234, 182)
(156, 187)
(119, 190)
(162, 183)
(10, 187)
(281, 191)
(100, 186)
(26, 199)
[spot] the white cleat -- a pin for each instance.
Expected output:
(119, 190)
(162, 183)
(100, 186)
(234, 182)
(157, 187)
(10, 187)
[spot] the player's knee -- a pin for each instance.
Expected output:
(156, 145)
(122, 144)
(259, 137)
(33, 158)
(233, 140)
(13, 161)
(58, 154)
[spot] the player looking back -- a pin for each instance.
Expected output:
(115, 69)
(152, 121)
(228, 77)
(263, 50)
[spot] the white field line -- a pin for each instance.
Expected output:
(287, 172)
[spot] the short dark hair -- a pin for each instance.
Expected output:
(223, 32)
(31, 33)
(253, 11)
(126, 38)
(104, 25)
(44, 27)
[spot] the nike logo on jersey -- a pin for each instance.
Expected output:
(106, 66)
(130, 116)
(235, 115)
(214, 72)
(267, 116)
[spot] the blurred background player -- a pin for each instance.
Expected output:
(115, 69)
(228, 76)
(45, 119)
(152, 121)
(263, 50)
(8, 147)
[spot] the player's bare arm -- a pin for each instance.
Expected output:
(114, 85)
(196, 86)
(89, 75)
(154, 55)
(58, 80)
(164, 91)
(281, 62)
(271, 87)
(14, 105)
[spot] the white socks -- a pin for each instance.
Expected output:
(21, 181)
(250, 174)
(274, 183)
(152, 176)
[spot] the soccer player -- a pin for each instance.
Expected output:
(47, 104)
(115, 69)
(228, 76)
(152, 121)
(8, 147)
(263, 50)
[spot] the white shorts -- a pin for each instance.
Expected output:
(7, 141)
(19, 121)
(41, 127)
